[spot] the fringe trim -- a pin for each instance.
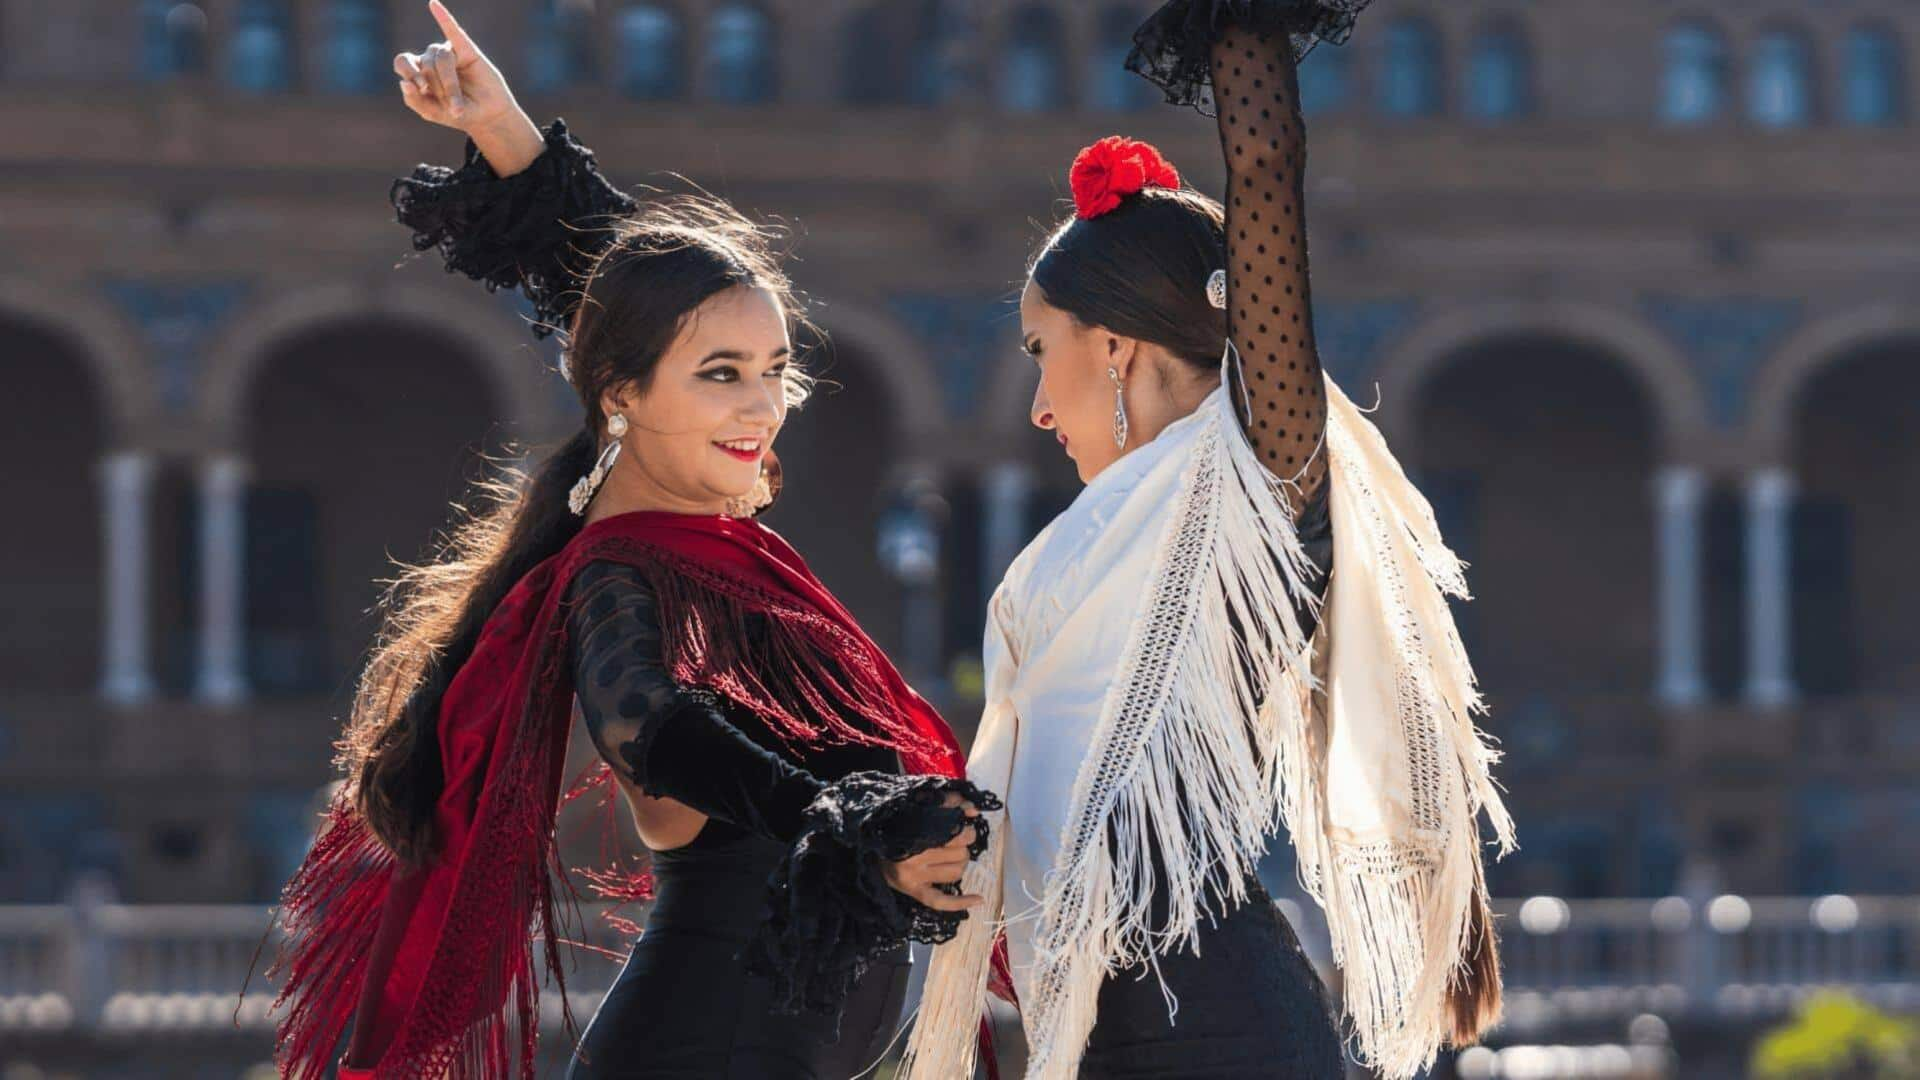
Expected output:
(812, 681)
(476, 1015)
(945, 1043)
(1400, 909)
(342, 887)
(1174, 766)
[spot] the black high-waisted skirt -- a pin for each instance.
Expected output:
(1250, 1006)
(684, 1007)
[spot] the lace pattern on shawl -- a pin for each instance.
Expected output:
(1168, 767)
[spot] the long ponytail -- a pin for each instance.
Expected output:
(434, 613)
(1473, 1000)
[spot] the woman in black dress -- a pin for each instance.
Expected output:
(803, 804)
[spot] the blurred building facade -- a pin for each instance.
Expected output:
(1635, 284)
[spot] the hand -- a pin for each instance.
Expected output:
(920, 876)
(452, 82)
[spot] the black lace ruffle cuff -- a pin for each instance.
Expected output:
(832, 911)
(1172, 48)
(534, 230)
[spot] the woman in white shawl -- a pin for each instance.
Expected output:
(1240, 623)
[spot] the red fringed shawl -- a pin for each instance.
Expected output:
(435, 968)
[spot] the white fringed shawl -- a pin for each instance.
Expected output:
(1118, 700)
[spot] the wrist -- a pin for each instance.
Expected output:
(507, 124)
(509, 143)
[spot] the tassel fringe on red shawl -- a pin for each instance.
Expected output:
(434, 970)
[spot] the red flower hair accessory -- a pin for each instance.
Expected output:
(1114, 168)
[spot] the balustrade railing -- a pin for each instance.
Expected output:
(127, 968)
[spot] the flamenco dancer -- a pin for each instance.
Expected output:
(771, 755)
(1241, 623)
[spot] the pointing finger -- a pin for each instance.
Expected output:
(456, 36)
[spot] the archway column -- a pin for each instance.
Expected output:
(1005, 491)
(1679, 504)
(909, 546)
(220, 677)
(126, 500)
(1769, 517)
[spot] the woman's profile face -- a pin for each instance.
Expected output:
(700, 430)
(1075, 398)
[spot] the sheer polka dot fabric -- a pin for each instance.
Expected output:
(1256, 93)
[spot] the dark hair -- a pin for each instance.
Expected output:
(1141, 271)
(662, 263)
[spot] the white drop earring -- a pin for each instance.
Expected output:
(753, 501)
(581, 496)
(1119, 409)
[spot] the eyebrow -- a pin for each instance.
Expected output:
(739, 357)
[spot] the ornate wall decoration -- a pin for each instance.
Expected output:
(178, 320)
(967, 336)
(1726, 339)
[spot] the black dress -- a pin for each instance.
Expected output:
(686, 1004)
(748, 967)
(1249, 1002)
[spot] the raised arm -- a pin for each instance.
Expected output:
(1269, 299)
(526, 209)
(1235, 60)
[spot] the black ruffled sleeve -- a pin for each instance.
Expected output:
(537, 230)
(829, 915)
(1172, 48)
(832, 910)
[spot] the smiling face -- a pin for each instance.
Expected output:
(700, 429)
(1075, 398)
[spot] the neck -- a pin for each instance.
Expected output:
(1179, 395)
(629, 488)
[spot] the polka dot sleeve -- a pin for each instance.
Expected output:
(1269, 315)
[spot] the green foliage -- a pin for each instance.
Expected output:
(1838, 1036)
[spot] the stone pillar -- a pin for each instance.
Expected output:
(1680, 503)
(221, 678)
(1004, 494)
(126, 500)
(1770, 495)
(909, 548)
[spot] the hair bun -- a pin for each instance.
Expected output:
(1113, 168)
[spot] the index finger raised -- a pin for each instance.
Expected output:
(450, 26)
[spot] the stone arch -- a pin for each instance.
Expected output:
(480, 325)
(76, 397)
(900, 361)
(1655, 362)
(1779, 382)
(110, 347)
(845, 454)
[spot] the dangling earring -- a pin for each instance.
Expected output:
(1119, 409)
(581, 496)
(753, 501)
